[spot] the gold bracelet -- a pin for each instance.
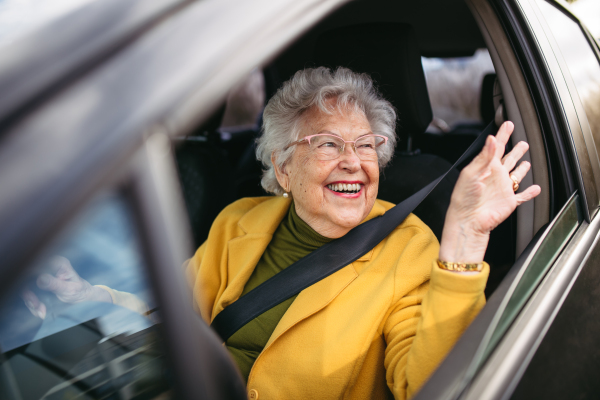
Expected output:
(459, 267)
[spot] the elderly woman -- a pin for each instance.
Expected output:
(382, 323)
(386, 320)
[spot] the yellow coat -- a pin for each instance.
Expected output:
(387, 318)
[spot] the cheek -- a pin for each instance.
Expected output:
(373, 174)
(309, 174)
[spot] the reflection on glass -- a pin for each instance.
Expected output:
(62, 336)
(581, 61)
(17, 17)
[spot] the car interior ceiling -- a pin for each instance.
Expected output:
(217, 168)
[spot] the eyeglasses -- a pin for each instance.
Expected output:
(329, 147)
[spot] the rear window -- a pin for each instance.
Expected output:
(454, 86)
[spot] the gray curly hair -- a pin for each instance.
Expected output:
(312, 87)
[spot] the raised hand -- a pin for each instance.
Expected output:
(66, 284)
(484, 197)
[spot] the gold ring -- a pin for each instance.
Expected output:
(515, 183)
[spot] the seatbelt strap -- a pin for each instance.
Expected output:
(329, 258)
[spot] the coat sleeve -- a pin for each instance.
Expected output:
(127, 300)
(424, 323)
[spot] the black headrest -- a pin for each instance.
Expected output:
(388, 52)
(212, 123)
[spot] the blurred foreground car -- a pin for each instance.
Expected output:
(112, 156)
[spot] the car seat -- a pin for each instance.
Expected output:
(205, 175)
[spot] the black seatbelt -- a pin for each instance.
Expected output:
(329, 258)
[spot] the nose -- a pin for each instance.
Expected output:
(349, 160)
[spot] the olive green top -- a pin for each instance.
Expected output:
(292, 240)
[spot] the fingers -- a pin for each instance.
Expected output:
(532, 191)
(62, 273)
(50, 283)
(511, 159)
(486, 155)
(61, 267)
(528, 194)
(503, 135)
(520, 172)
(35, 306)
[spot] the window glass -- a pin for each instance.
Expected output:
(18, 17)
(581, 61)
(61, 336)
(558, 235)
(455, 87)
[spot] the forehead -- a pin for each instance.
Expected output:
(346, 123)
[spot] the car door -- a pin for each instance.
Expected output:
(532, 321)
(566, 362)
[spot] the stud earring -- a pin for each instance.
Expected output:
(286, 195)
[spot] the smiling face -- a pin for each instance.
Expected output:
(316, 185)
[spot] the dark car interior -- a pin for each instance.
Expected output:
(387, 40)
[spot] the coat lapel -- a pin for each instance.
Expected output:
(244, 252)
(313, 299)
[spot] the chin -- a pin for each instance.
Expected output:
(350, 221)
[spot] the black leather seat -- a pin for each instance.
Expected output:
(205, 175)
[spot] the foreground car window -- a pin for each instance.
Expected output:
(85, 349)
(18, 17)
(581, 60)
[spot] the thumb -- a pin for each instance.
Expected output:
(61, 267)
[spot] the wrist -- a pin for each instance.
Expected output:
(460, 244)
(460, 267)
(100, 294)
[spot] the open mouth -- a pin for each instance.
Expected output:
(348, 188)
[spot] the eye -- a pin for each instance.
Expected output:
(366, 145)
(331, 144)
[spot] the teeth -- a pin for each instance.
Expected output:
(345, 187)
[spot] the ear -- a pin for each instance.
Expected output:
(281, 174)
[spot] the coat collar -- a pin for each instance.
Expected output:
(267, 215)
